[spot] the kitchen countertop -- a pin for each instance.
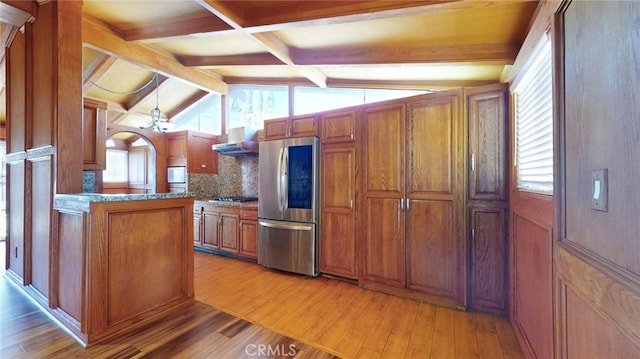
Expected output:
(101, 197)
(250, 204)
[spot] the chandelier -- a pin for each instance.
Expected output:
(157, 122)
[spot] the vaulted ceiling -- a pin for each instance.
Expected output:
(199, 47)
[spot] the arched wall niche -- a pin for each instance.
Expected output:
(158, 143)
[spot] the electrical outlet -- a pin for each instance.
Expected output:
(599, 190)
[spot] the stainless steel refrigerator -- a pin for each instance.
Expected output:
(288, 205)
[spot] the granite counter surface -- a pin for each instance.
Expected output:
(101, 197)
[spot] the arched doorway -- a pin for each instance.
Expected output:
(131, 164)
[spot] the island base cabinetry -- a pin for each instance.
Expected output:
(120, 264)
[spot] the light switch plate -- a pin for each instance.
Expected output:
(599, 190)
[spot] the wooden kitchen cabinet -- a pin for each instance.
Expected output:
(192, 150)
(227, 228)
(488, 274)
(338, 199)
(412, 171)
(290, 127)
(487, 126)
(249, 233)
(338, 126)
(487, 199)
(94, 132)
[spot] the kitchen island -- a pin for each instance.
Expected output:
(120, 261)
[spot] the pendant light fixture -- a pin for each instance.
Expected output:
(157, 122)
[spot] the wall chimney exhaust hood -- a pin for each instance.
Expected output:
(241, 141)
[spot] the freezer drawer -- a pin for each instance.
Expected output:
(288, 246)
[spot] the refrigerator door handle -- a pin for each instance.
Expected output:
(285, 180)
(280, 225)
(279, 179)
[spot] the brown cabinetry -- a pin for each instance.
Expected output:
(487, 197)
(338, 194)
(338, 127)
(249, 233)
(226, 228)
(289, 127)
(488, 285)
(94, 132)
(192, 150)
(412, 171)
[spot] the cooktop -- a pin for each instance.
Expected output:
(236, 199)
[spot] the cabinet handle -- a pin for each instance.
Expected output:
(350, 204)
(401, 206)
(408, 204)
(352, 132)
(473, 162)
(473, 234)
(16, 252)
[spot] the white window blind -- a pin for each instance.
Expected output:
(534, 123)
(117, 167)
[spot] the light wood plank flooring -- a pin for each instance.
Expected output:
(346, 320)
(320, 317)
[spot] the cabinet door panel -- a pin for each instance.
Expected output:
(338, 127)
(431, 162)
(337, 245)
(432, 254)
(249, 238)
(303, 126)
(338, 179)
(487, 144)
(488, 289)
(229, 233)
(177, 149)
(384, 254)
(384, 150)
(210, 237)
(275, 129)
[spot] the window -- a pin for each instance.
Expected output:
(117, 166)
(250, 105)
(316, 99)
(204, 116)
(534, 122)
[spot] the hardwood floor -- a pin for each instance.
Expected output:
(263, 309)
(346, 320)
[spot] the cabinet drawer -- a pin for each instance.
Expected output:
(250, 214)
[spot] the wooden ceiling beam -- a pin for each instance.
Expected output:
(273, 44)
(98, 36)
(187, 104)
(176, 29)
(261, 59)
(409, 84)
(98, 67)
(496, 54)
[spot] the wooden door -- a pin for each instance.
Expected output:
(487, 123)
(276, 129)
(303, 126)
(383, 250)
(432, 194)
(337, 232)
(338, 127)
(229, 238)
(210, 235)
(488, 289)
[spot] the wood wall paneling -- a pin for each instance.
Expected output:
(41, 211)
(70, 269)
(16, 57)
(43, 34)
(596, 260)
(15, 218)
